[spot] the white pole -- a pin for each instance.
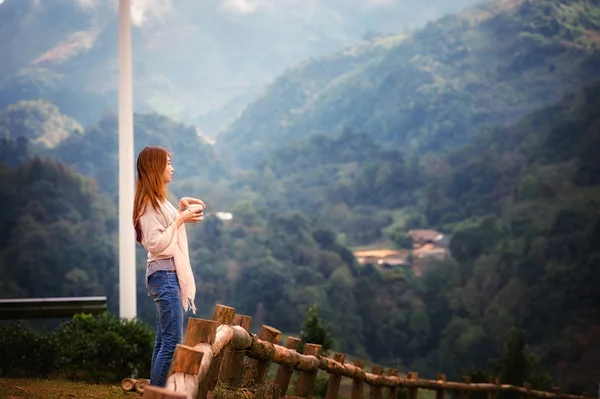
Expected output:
(127, 284)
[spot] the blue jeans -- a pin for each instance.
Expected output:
(163, 287)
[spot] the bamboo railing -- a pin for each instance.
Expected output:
(223, 350)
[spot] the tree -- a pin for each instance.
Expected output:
(315, 330)
(517, 364)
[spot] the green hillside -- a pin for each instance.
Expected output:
(57, 235)
(521, 205)
(436, 88)
(350, 181)
(93, 150)
(41, 122)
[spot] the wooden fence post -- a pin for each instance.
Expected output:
(333, 385)
(376, 389)
(357, 385)
(258, 369)
(201, 331)
(393, 391)
(186, 359)
(412, 392)
(305, 385)
(527, 386)
(284, 372)
(232, 369)
(466, 379)
(493, 394)
(223, 315)
(441, 393)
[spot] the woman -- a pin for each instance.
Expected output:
(159, 227)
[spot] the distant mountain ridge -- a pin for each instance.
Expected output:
(193, 60)
(489, 65)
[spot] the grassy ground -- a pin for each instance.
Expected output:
(57, 389)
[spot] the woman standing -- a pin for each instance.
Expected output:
(159, 227)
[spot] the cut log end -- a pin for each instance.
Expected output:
(224, 314)
(128, 384)
(270, 334)
(293, 343)
(141, 384)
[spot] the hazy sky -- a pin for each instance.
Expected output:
(159, 10)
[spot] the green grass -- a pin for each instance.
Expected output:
(12, 388)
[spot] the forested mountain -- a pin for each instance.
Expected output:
(434, 88)
(40, 122)
(525, 216)
(57, 234)
(95, 153)
(349, 180)
(521, 205)
(93, 150)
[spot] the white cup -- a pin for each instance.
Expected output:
(196, 207)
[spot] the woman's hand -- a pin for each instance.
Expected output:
(189, 216)
(185, 202)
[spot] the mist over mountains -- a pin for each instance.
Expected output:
(434, 88)
(191, 58)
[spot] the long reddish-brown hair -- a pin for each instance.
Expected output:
(150, 187)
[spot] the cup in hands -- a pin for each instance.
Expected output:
(198, 210)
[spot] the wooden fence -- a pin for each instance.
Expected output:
(216, 350)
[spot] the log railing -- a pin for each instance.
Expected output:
(223, 350)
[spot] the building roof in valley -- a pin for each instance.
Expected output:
(422, 237)
(425, 235)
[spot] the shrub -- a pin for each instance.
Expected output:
(25, 352)
(103, 348)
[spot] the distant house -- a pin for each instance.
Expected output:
(428, 245)
(423, 237)
(224, 215)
